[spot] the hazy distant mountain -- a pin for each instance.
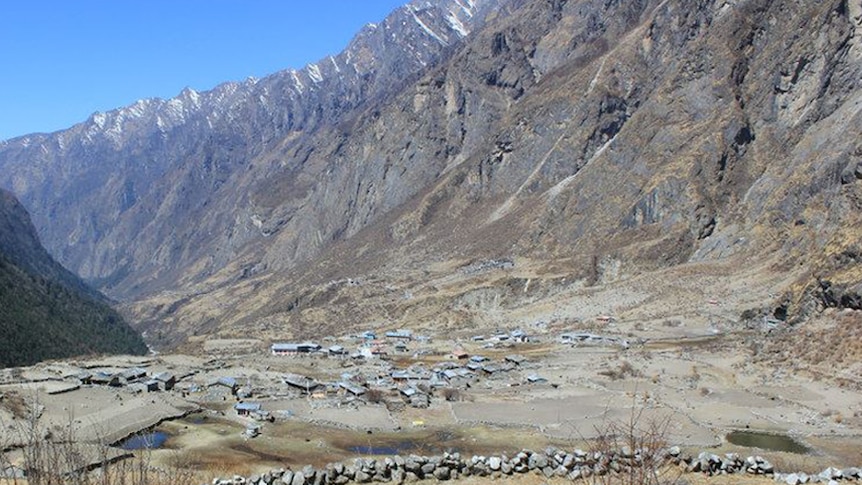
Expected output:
(46, 311)
(601, 139)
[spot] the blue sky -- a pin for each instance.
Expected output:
(62, 60)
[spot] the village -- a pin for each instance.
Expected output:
(355, 394)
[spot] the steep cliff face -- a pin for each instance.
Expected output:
(603, 139)
(46, 311)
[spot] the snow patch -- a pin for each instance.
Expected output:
(456, 24)
(334, 64)
(99, 120)
(467, 9)
(596, 77)
(296, 82)
(256, 220)
(136, 110)
(193, 96)
(427, 29)
(554, 191)
(314, 73)
(175, 109)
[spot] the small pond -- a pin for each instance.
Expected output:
(145, 441)
(767, 441)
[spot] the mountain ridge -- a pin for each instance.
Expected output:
(158, 142)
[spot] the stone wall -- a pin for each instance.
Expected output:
(551, 463)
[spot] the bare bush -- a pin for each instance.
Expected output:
(56, 456)
(635, 451)
(451, 394)
(626, 369)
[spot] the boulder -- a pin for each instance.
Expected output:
(428, 468)
(829, 474)
(506, 468)
(792, 479)
(412, 465)
(851, 473)
(321, 478)
(362, 477)
(442, 473)
(298, 479)
(287, 477)
(495, 463)
(537, 461)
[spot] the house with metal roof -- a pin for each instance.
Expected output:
(246, 408)
(294, 348)
(300, 382)
(400, 334)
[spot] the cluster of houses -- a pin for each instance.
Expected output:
(415, 385)
(582, 338)
(396, 340)
(370, 346)
(135, 379)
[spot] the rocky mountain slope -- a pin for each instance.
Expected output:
(46, 311)
(139, 197)
(589, 142)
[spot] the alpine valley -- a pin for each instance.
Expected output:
(656, 203)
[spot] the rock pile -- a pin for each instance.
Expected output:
(551, 463)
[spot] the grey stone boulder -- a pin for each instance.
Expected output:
(495, 463)
(362, 477)
(412, 465)
(298, 479)
(829, 474)
(792, 479)
(538, 461)
(287, 477)
(442, 473)
(851, 473)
